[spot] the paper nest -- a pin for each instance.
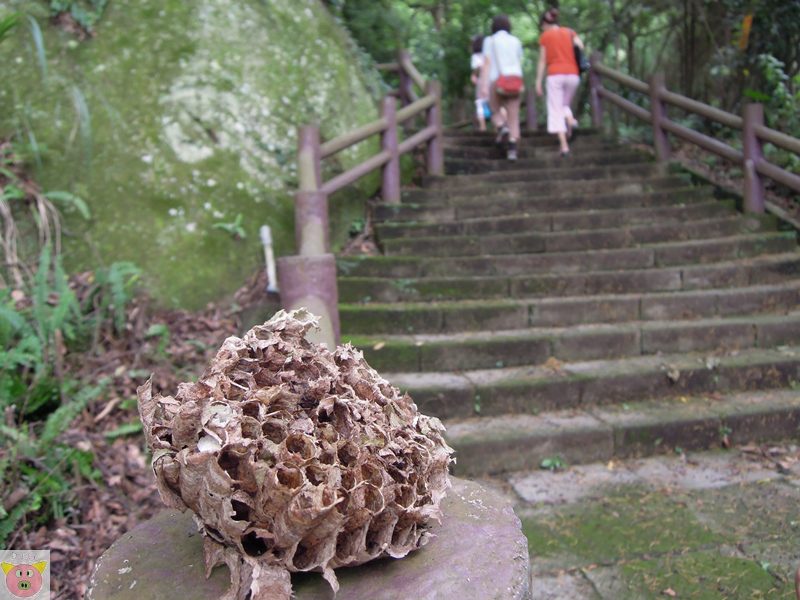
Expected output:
(295, 458)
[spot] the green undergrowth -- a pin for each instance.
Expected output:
(42, 323)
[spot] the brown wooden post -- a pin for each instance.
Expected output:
(531, 123)
(309, 162)
(436, 143)
(752, 116)
(658, 114)
(595, 83)
(390, 188)
(406, 84)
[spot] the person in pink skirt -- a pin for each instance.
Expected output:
(563, 76)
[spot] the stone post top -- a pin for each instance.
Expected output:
(478, 553)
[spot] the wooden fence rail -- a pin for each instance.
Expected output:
(751, 124)
(309, 278)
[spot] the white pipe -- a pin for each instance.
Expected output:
(269, 258)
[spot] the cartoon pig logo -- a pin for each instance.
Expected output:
(24, 580)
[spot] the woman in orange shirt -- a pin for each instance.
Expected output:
(563, 76)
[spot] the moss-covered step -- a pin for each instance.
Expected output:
(443, 210)
(557, 221)
(494, 315)
(563, 188)
(663, 254)
(490, 446)
(540, 144)
(560, 386)
(572, 241)
(461, 166)
(531, 346)
(746, 272)
(534, 176)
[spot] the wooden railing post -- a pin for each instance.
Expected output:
(595, 83)
(390, 187)
(752, 116)
(308, 279)
(658, 115)
(436, 143)
(309, 162)
(406, 84)
(531, 117)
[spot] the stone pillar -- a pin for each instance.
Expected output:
(531, 117)
(309, 161)
(310, 282)
(311, 227)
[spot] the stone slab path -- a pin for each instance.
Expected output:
(715, 524)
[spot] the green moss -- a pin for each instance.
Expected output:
(191, 110)
(705, 576)
(390, 356)
(628, 523)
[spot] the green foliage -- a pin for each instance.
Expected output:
(44, 470)
(234, 228)
(114, 290)
(8, 23)
(553, 463)
(160, 331)
(85, 12)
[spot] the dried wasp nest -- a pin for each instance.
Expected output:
(295, 458)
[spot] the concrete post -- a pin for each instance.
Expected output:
(311, 228)
(751, 149)
(595, 83)
(435, 152)
(310, 282)
(531, 117)
(658, 114)
(309, 161)
(390, 188)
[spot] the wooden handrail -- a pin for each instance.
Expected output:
(415, 108)
(351, 138)
(309, 279)
(777, 138)
(751, 124)
(704, 110)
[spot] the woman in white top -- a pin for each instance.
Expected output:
(502, 54)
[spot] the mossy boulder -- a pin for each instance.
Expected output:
(178, 117)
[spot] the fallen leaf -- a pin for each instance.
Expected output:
(379, 346)
(669, 592)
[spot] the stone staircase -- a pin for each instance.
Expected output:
(584, 309)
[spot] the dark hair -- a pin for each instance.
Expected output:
(477, 44)
(501, 23)
(550, 17)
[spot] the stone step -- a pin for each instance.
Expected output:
(468, 315)
(442, 210)
(462, 166)
(571, 241)
(570, 262)
(534, 177)
(491, 446)
(489, 349)
(526, 135)
(559, 221)
(543, 149)
(729, 274)
(536, 143)
(562, 188)
(561, 386)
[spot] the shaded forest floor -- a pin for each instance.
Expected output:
(124, 493)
